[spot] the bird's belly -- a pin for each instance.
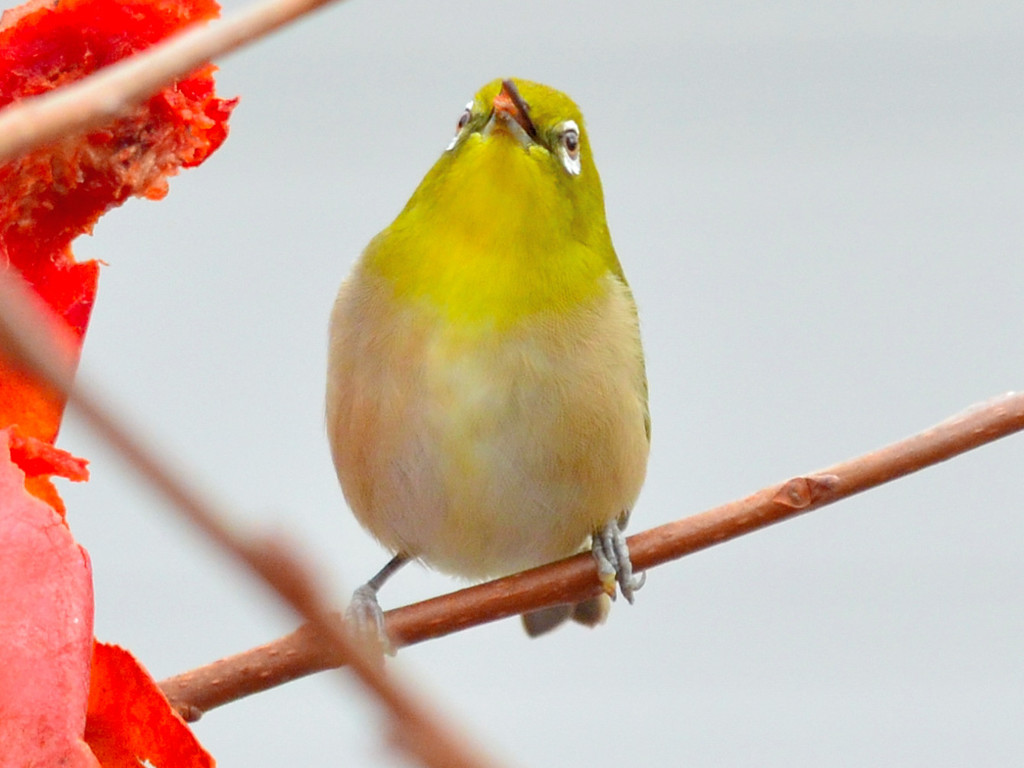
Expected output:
(485, 453)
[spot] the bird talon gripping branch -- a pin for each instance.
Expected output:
(614, 566)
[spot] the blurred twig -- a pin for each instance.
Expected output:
(576, 578)
(26, 340)
(107, 94)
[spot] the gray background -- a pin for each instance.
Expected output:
(819, 208)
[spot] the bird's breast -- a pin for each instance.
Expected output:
(484, 450)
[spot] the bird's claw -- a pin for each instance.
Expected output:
(366, 618)
(613, 564)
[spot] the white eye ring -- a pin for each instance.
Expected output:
(464, 119)
(569, 146)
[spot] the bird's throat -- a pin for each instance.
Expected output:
(494, 245)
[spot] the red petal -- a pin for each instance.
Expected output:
(39, 461)
(36, 457)
(45, 630)
(130, 720)
(57, 192)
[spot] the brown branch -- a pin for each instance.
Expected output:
(105, 95)
(28, 340)
(576, 578)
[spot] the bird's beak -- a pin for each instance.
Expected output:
(512, 113)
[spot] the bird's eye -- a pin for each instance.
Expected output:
(571, 140)
(569, 146)
(464, 118)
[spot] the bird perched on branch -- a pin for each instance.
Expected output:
(486, 394)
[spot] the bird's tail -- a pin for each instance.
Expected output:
(590, 612)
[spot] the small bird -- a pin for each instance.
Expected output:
(486, 393)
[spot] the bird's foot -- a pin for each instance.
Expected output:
(613, 564)
(365, 617)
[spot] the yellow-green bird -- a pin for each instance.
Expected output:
(486, 394)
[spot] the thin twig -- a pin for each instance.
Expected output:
(100, 98)
(576, 578)
(24, 340)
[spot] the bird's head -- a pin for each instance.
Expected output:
(520, 158)
(510, 220)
